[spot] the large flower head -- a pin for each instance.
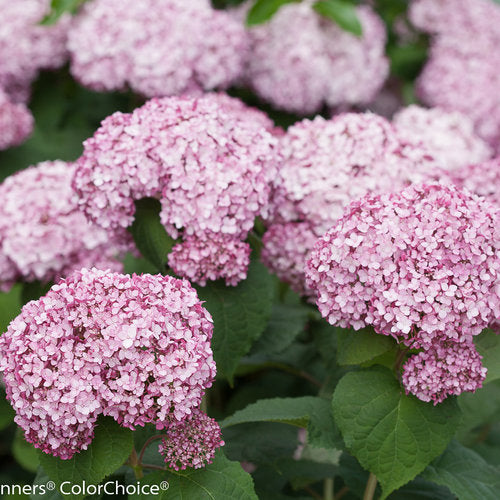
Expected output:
(26, 46)
(462, 71)
(16, 122)
(421, 265)
(326, 165)
(208, 162)
(136, 348)
(43, 234)
(300, 61)
(157, 47)
(418, 264)
(448, 135)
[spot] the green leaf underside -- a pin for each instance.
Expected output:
(342, 13)
(264, 10)
(110, 448)
(465, 473)
(149, 235)
(488, 345)
(221, 480)
(392, 435)
(240, 316)
(358, 346)
(307, 411)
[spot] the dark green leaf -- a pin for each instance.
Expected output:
(392, 435)
(465, 473)
(41, 492)
(6, 411)
(358, 346)
(264, 10)
(110, 448)
(33, 291)
(407, 60)
(307, 411)
(149, 234)
(341, 12)
(10, 306)
(240, 316)
(25, 453)
(58, 8)
(488, 345)
(221, 480)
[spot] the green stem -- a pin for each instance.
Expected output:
(328, 489)
(135, 464)
(146, 444)
(371, 484)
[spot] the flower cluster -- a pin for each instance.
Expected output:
(482, 179)
(320, 64)
(421, 265)
(26, 46)
(445, 369)
(211, 256)
(157, 47)
(208, 162)
(462, 71)
(191, 442)
(16, 122)
(74, 354)
(43, 234)
(326, 165)
(448, 135)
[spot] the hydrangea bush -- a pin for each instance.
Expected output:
(249, 249)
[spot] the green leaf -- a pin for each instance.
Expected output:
(149, 234)
(240, 316)
(33, 290)
(6, 411)
(264, 10)
(10, 306)
(341, 12)
(465, 473)
(286, 323)
(110, 448)
(221, 480)
(407, 60)
(24, 452)
(40, 490)
(307, 411)
(58, 8)
(488, 345)
(392, 435)
(358, 346)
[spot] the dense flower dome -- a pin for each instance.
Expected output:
(191, 442)
(26, 46)
(482, 179)
(300, 61)
(208, 162)
(156, 47)
(421, 265)
(74, 354)
(326, 165)
(16, 122)
(462, 71)
(43, 234)
(448, 135)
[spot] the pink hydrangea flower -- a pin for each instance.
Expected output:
(445, 369)
(211, 256)
(43, 234)
(74, 354)
(448, 135)
(320, 64)
(26, 47)
(157, 47)
(209, 163)
(421, 265)
(482, 179)
(462, 71)
(16, 122)
(326, 165)
(191, 442)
